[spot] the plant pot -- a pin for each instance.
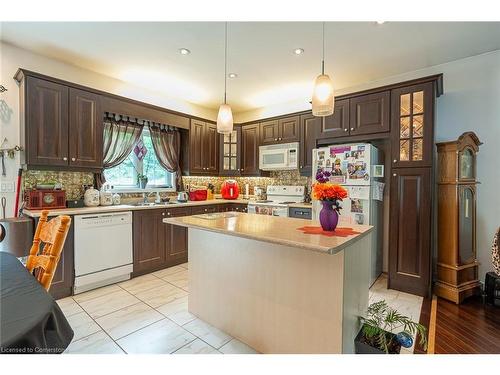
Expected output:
(142, 182)
(362, 347)
(328, 216)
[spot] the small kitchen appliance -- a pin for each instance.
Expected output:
(198, 194)
(230, 189)
(278, 200)
(283, 156)
(182, 196)
(35, 199)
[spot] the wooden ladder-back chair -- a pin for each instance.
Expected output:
(44, 259)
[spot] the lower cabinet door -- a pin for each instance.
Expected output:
(410, 234)
(149, 240)
(176, 238)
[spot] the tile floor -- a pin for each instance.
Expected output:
(149, 314)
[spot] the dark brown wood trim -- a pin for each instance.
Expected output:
(352, 139)
(425, 316)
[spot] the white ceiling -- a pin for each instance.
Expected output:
(146, 54)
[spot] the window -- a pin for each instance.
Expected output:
(124, 176)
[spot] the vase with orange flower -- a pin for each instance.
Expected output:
(331, 196)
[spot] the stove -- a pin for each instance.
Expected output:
(279, 198)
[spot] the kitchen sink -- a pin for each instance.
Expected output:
(153, 204)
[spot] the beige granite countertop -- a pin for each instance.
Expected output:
(128, 207)
(273, 229)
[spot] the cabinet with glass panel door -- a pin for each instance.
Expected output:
(230, 153)
(412, 125)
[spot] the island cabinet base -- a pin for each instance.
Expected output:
(276, 298)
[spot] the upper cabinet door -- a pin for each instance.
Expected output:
(230, 153)
(289, 129)
(85, 129)
(196, 146)
(370, 113)
(46, 123)
(336, 125)
(309, 128)
(269, 132)
(412, 126)
(250, 149)
(211, 150)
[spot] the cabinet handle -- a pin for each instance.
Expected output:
(275, 139)
(73, 159)
(206, 210)
(395, 161)
(394, 174)
(163, 214)
(346, 130)
(301, 167)
(65, 158)
(352, 129)
(168, 213)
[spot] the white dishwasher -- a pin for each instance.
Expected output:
(103, 249)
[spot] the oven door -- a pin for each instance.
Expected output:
(271, 159)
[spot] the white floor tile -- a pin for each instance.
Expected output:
(128, 320)
(162, 337)
(161, 295)
(108, 303)
(83, 325)
(179, 279)
(141, 283)
(177, 311)
(86, 296)
(185, 265)
(97, 343)
(168, 271)
(68, 306)
(237, 347)
(207, 333)
(197, 347)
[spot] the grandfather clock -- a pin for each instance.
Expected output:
(457, 265)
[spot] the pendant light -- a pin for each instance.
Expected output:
(225, 116)
(322, 98)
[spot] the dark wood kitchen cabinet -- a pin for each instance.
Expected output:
(283, 130)
(158, 245)
(85, 129)
(250, 135)
(412, 119)
(203, 148)
(309, 128)
(369, 114)
(44, 122)
(410, 234)
(336, 125)
(149, 240)
(61, 126)
(230, 153)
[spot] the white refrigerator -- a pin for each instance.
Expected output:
(356, 167)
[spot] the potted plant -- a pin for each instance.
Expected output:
(331, 196)
(376, 335)
(142, 180)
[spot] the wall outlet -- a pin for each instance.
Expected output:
(7, 187)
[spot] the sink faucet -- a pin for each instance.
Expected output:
(145, 196)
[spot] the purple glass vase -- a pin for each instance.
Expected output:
(328, 216)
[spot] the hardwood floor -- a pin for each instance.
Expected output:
(469, 328)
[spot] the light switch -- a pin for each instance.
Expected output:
(7, 187)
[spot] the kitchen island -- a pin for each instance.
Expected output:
(277, 289)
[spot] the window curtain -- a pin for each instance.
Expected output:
(167, 146)
(120, 136)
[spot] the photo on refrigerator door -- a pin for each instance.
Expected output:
(357, 205)
(357, 171)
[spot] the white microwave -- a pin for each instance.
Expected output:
(279, 157)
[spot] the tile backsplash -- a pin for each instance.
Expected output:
(73, 182)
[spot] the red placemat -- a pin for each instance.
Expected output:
(338, 232)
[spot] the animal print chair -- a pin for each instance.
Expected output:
(495, 253)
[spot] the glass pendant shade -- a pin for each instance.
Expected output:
(225, 119)
(323, 100)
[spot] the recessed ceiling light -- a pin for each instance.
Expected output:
(232, 75)
(184, 51)
(298, 51)
(380, 22)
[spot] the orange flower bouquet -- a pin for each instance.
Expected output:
(331, 196)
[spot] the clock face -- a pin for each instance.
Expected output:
(467, 164)
(48, 198)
